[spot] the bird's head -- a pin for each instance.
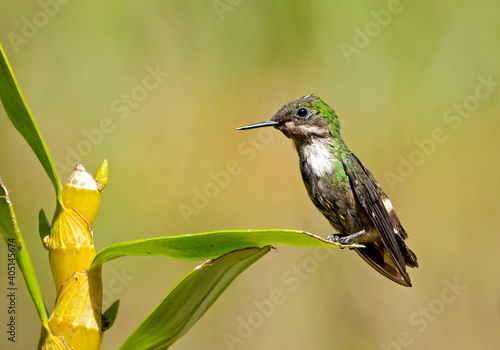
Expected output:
(304, 118)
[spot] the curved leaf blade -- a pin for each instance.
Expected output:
(10, 232)
(183, 306)
(209, 245)
(110, 315)
(43, 225)
(20, 115)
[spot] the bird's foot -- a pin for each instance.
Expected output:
(346, 241)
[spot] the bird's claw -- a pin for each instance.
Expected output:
(345, 241)
(341, 240)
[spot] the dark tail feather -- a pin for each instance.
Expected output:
(410, 257)
(376, 256)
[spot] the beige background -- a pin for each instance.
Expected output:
(394, 81)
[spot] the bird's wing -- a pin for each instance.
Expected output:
(371, 196)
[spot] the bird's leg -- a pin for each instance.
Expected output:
(346, 240)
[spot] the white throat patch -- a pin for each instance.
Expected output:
(319, 156)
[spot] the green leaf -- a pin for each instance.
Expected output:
(110, 315)
(43, 225)
(16, 247)
(200, 246)
(102, 174)
(190, 299)
(20, 115)
(209, 245)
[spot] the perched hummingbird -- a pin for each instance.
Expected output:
(343, 189)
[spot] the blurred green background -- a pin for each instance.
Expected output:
(397, 73)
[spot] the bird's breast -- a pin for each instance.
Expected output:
(317, 157)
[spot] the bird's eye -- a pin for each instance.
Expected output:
(302, 112)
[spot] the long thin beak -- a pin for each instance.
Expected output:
(258, 125)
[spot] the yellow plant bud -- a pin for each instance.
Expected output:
(82, 193)
(71, 246)
(77, 316)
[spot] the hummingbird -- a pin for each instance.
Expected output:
(342, 188)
